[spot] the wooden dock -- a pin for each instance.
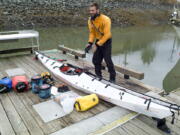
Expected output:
(17, 115)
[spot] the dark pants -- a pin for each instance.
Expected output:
(104, 52)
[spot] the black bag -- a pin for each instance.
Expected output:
(3, 88)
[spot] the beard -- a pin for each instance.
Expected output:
(93, 16)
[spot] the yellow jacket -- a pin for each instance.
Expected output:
(103, 24)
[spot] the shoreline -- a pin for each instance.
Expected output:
(123, 13)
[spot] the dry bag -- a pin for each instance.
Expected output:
(86, 102)
(20, 83)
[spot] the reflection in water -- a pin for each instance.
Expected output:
(148, 54)
(146, 49)
(172, 79)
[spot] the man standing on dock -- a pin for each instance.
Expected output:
(100, 30)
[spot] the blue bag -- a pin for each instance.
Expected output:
(5, 85)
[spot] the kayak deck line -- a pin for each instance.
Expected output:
(18, 116)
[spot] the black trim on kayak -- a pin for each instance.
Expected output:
(107, 85)
(93, 79)
(47, 60)
(55, 67)
(121, 94)
(148, 102)
(53, 63)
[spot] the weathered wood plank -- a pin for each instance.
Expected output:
(121, 131)
(133, 129)
(113, 132)
(25, 115)
(23, 49)
(72, 51)
(5, 125)
(153, 124)
(29, 98)
(14, 118)
(127, 71)
(47, 128)
(72, 118)
(143, 126)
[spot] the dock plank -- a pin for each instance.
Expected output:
(143, 126)
(5, 125)
(133, 129)
(153, 124)
(13, 116)
(121, 131)
(22, 103)
(25, 115)
(29, 99)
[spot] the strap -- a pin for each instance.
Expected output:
(78, 105)
(53, 63)
(173, 117)
(121, 95)
(3, 88)
(148, 103)
(4, 77)
(47, 60)
(97, 30)
(55, 67)
(173, 113)
(93, 79)
(107, 85)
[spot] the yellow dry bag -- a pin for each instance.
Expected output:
(86, 102)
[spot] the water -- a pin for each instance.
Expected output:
(152, 50)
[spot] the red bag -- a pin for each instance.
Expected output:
(20, 83)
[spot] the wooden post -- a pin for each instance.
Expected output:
(76, 57)
(126, 76)
(23, 49)
(64, 52)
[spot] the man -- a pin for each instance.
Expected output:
(100, 32)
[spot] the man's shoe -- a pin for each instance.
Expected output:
(164, 128)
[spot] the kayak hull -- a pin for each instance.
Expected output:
(106, 91)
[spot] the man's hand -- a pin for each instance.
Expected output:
(88, 47)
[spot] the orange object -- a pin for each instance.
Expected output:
(20, 83)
